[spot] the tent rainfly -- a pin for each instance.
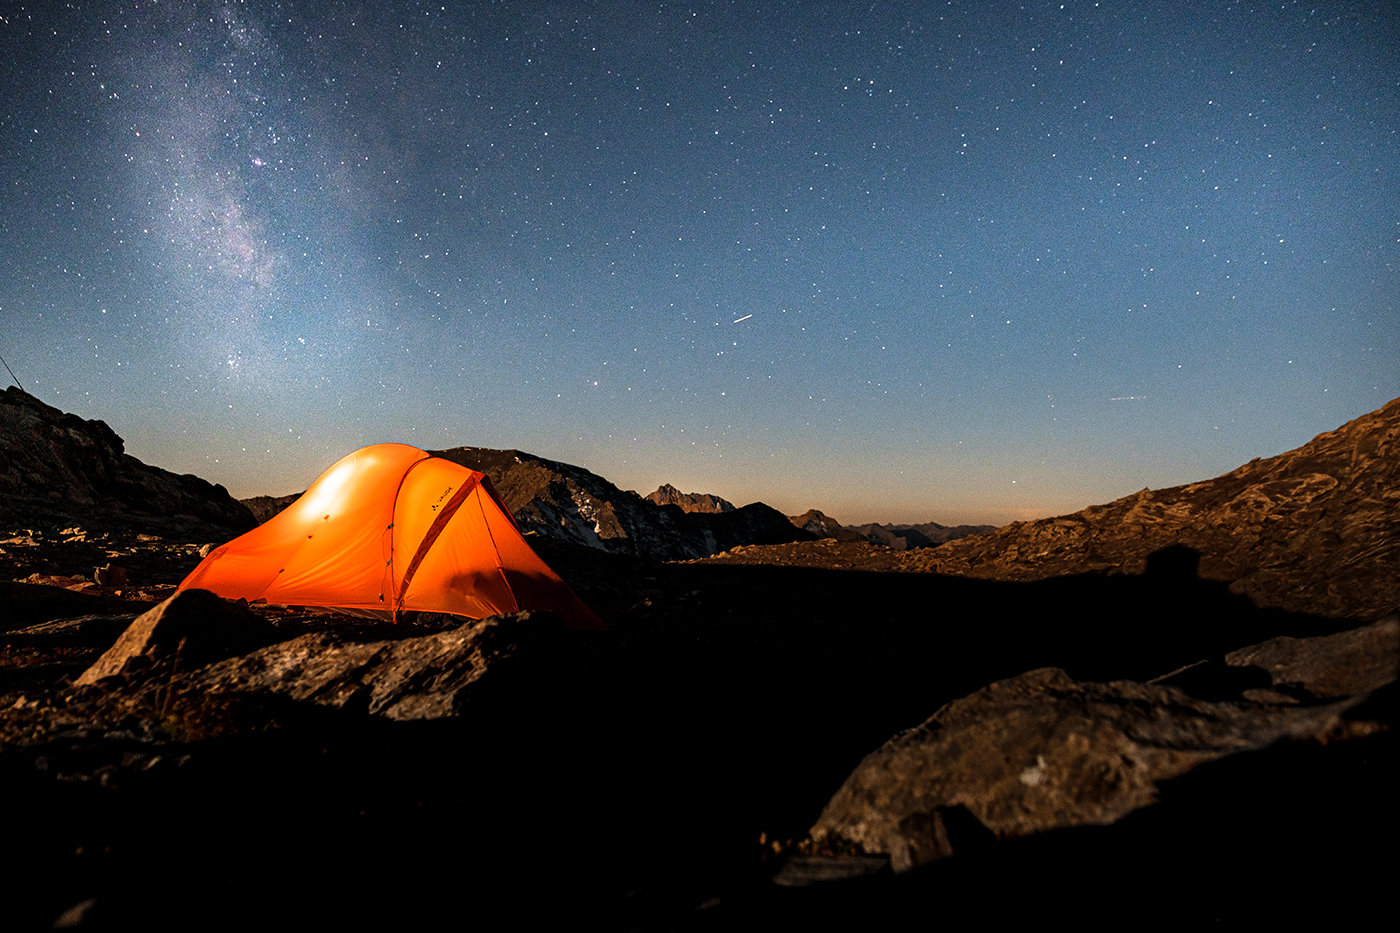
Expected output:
(387, 529)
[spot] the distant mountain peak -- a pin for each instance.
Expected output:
(899, 537)
(666, 494)
(571, 504)
(817, 522)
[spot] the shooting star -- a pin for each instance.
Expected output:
(1127, 398)
(744, 318)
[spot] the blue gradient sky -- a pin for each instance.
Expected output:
(897, 261)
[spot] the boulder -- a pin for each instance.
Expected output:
(110, 575)
(192, 628)
(427, 677)
(1346, 664)
(1042, 751)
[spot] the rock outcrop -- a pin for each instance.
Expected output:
(54, 464)
(427, 677)
(1316, 529)
(572, 505)
(1041, 751)
(666, 494)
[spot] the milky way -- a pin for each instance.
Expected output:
(900, 262)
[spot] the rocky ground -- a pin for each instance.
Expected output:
(686, 768)
(807, 733)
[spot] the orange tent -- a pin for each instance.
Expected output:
(387, 529)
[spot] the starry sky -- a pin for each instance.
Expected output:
(899, 261)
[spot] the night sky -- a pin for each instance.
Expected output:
(898, 261)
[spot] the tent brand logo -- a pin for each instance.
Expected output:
(445, 493)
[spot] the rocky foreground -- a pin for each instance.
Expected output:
(812, 732)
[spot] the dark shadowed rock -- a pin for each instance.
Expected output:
(44, 656)
(428, 677)
(755, 523)
(54, 464)
(1042, 751)
(1346, 664)
(89, 630)
(195, 624)
(1313, 530)
(666, 494)
(803, 870)
(26, 604)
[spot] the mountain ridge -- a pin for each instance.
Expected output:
(899, 537)
(1314, 529)
(666, 494)
(59, 467)
(575, 505)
